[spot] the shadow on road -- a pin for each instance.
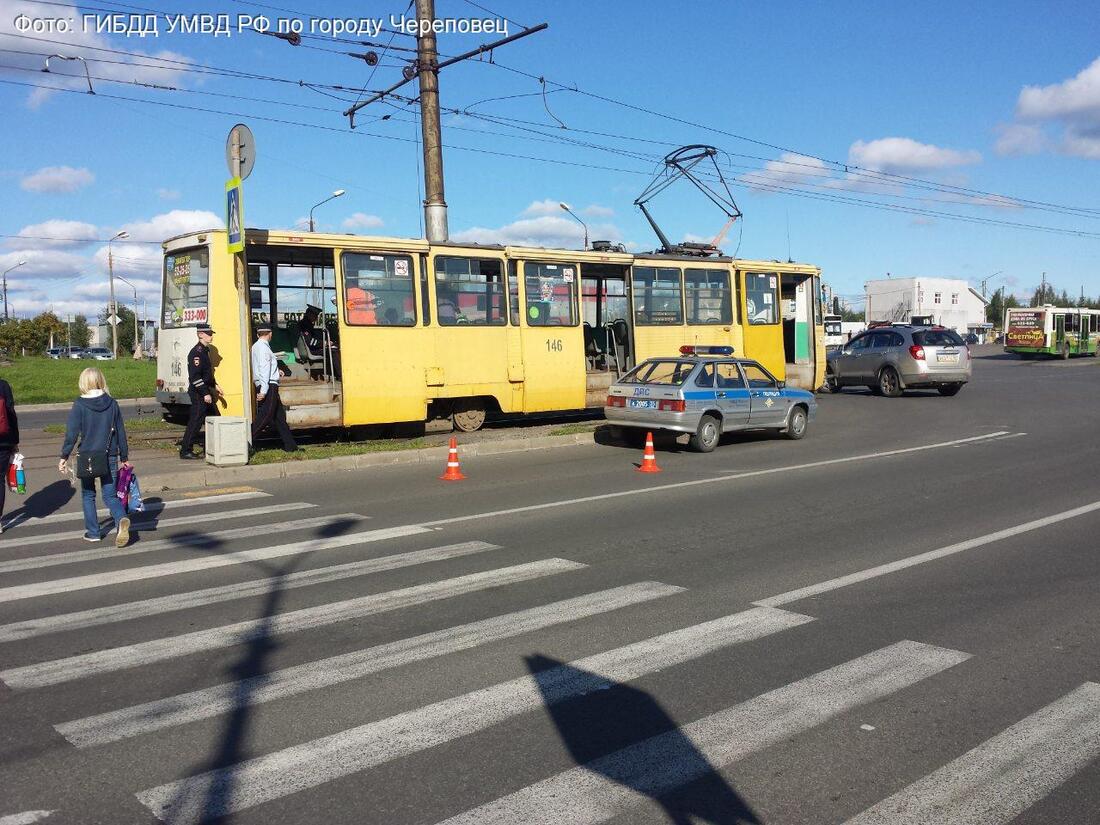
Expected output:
(249, 673)
(41, 503)
(599, 726)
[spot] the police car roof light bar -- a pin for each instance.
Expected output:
(688, 349)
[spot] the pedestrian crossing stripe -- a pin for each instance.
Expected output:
(293, 681)
(143, 521)
(601, 789)
(1004, 776)
(16, 518)
(116, 577)
(176, 542)
(129, 611)
(293, 621)
(310, 764)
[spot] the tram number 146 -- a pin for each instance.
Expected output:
(554, 345)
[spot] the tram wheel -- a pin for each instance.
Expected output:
(469, 414)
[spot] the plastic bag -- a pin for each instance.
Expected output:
(17, 476)
(134, 504)
(122, 485)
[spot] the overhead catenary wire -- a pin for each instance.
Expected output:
(517, 156)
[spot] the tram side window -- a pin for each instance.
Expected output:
(1072, 324)
(513, 293)
(760, 300)
(469, 291)
(259, 293)
(298, 286)
(707, 295)
(550, 290)
(378, 290)
(186, 288)
(657, 296)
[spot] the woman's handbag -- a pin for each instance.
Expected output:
(95, 464)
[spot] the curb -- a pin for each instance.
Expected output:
(217, 476)
(65, 405)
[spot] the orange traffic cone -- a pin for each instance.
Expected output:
(649, 458)
(453, 472)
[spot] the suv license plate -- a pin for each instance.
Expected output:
(638, 403)
(947, 358)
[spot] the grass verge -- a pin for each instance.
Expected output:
(145, 424)
(45, 381)
(314, 451)
(579, 427)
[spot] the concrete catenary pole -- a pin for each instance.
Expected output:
(435, 207)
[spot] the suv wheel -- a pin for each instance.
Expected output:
(832, 383)
(707, 436)
(889, 384)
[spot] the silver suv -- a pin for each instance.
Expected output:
(899, 357)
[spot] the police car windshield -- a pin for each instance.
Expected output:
(673, 373)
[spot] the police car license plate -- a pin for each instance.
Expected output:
(947, 357)
(641, 403)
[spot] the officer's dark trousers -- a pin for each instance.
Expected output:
(271, 412)
(197, 417)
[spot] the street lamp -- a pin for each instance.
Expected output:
(565, 206)
(335, 194)
(6, 271)
(134, 288)
(111, 269)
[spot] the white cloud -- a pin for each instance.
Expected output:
(43, 264)
(142, 66)
(361, 220)
(1015, 139)
(549, 231)
(900, 155)
(791, 169)
(56, 233)
(133, 259)
(597, 211)
(168, 194)
(57, 179)
(544, 207)
(1073, 104)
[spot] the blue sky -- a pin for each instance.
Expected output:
(1000, 101)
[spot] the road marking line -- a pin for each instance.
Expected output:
(1004, 776)
(246, 632)
(25, 818)
(696, 482)
(602, 789)
(230, 789)
(184, 601)
(228, 697)
(49, 588)
(175, 542)
(142, 521)
(219, 491)
(921, 558)
(152, 507)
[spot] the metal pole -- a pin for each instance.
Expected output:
(6, 296)
(435, 207)
(135, 321)
(240, 277)
(111, 307)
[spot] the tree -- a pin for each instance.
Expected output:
(81, 335)
(125, 328)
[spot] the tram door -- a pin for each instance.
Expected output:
(763, 327)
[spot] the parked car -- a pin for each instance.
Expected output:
(970, 339)
(890, 360)
(56, 352)
(706, 396)
(97, 354)
(74, 352)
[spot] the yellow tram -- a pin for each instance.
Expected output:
(418, 330)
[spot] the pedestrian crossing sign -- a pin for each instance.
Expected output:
(234, 216)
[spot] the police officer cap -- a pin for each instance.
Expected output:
(263, 329)
(312, 308)
(204, 328)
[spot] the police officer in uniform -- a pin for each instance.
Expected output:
(201, 388)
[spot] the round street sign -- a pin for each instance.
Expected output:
(248, 150)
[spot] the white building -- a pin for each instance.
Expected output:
(951, 303)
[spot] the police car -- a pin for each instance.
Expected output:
(706, 392)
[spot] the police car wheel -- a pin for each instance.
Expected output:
(796, 424)
(707, 436)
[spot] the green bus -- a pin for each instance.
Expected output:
(1049, 330)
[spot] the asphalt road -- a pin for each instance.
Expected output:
(892, 621)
